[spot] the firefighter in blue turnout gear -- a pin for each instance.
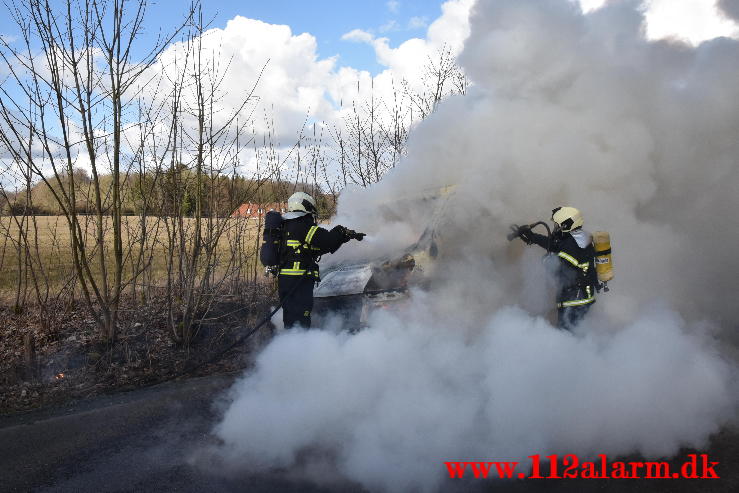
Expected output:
(576, 273)
(303, 242)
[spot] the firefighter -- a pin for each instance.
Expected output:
(576, 272)
(303, 244)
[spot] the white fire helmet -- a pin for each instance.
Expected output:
(567, 218)
(301, 202)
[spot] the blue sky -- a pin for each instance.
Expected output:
(397, 20)
(297, 88)
(327, 20)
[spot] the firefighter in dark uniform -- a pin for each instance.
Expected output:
(576, 273)
(303, 243)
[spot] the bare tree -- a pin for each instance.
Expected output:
(140, 153)
(441, 77)
(71, 95)
(372, 139)
(203, 150)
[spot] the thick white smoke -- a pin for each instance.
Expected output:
(387, 406)
(730, 8)
(568, 109)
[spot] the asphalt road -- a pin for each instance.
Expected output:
(145, 440)
(137, 441)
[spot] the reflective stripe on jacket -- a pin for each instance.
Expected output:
(304, 244)
(577, 276)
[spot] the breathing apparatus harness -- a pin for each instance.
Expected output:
(276, 250)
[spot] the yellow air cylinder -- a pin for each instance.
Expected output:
(603, 260)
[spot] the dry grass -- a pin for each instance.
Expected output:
(51, 254)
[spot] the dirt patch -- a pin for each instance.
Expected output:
(51, 356)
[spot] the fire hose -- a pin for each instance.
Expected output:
(185, 371)
(244, 337)
(220, 353)
(516, 232)
(348, 233)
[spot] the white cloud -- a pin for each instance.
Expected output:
(417, 22)
(693, 21)
(297, 85)
(393, 6)
(588, 5)
(292, 83)
(391, 25)
(407, 60)
(358, 35)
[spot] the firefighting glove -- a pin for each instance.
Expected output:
(345, 233)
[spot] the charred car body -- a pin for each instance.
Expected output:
(348, 293)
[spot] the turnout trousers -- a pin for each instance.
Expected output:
(569, 316)
(296, 295)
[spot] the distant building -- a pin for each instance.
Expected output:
(250, 209)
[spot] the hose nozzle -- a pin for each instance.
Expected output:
(354, 235)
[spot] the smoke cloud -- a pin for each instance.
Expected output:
(565, 109)
(730, 8)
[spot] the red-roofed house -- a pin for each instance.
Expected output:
(250, 209)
